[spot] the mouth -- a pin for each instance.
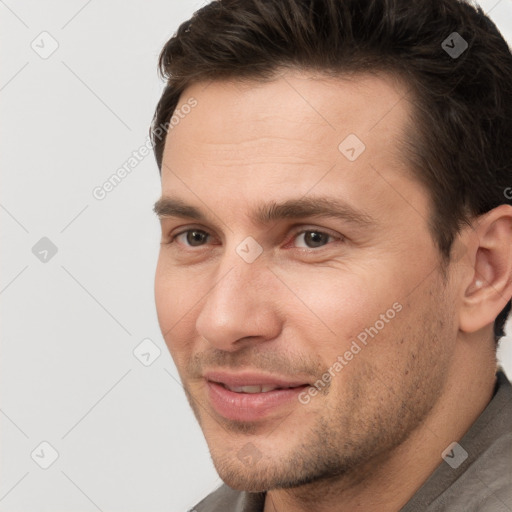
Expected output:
(245, 397)
(256, 388)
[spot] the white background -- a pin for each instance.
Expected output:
(126, 438)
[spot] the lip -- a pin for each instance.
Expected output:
(252, 379)
(251, 406)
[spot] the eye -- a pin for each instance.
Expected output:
(313, 239)
(191, 237)
(305, 239)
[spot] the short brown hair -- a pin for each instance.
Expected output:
(461, 148)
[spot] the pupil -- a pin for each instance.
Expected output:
(195, 236)
(313, 238)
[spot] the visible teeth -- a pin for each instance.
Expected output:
(250, 389)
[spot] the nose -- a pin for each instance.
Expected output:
(241, 305)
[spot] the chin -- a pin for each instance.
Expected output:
(245, 482)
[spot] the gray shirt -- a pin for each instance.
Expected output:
(482, 482)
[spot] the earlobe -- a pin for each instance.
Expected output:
(491, 286)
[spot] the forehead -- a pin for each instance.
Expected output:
(297, 133)
(312, 111)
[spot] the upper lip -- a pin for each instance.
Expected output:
(252, 379)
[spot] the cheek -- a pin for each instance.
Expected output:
(178, 295)
(340, 303)
(172, 295)
(163, 296)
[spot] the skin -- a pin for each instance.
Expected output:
(376, 432)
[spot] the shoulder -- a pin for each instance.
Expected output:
(486, 485)
(482, 479)
(485, 482)
(223, 499)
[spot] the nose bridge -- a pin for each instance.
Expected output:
(233, 278)
(233, 288)
(237, 305)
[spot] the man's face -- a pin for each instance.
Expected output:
(288, 296)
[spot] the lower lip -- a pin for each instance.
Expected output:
(250, 406)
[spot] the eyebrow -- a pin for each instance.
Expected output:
(269, 212)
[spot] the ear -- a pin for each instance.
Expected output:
(490, 254)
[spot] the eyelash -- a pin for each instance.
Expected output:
(295, 235)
